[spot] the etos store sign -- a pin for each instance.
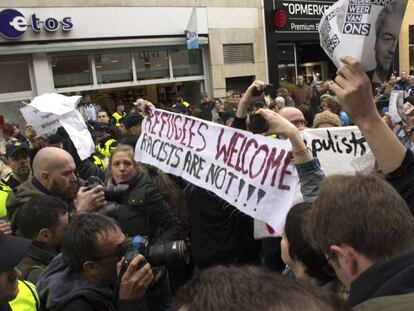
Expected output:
(299, 16)
(13, 24)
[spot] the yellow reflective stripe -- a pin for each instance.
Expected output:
(107, 150)
(27, 299)
(4, 192)
(6, 178)
(98, 162)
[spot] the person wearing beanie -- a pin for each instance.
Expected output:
(329, 103)
(326, 119)
(280, 102)
(132, 123)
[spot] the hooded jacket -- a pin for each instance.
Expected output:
(387, 279)
(18, 197)
(61, 288)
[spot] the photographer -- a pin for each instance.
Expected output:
(54, 174)
(143, 211)
(81, 277)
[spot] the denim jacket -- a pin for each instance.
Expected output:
(310, 175)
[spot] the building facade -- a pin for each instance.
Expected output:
(115, 51)
(406, 40)
(293, 46)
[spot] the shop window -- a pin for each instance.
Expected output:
(71, 70)
(286, 64)
(187, 62)
(14, 76)
(238, 53)
(239, 83)
(152, 64)
(113, 67)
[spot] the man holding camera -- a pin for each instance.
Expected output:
(54, 174)
(82, 277)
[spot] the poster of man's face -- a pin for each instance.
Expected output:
(387, 27)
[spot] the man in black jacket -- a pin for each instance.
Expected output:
(82, 277)
(43, 220)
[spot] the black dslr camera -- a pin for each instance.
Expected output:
(170, 253)
(112, 192)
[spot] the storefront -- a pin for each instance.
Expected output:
(111, 54)
(293, 40)
(406, 40)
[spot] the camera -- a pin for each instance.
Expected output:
(269, 90)
(258, 124)
(170, 253)
(112, 192)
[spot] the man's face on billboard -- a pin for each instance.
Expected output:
(387, 39)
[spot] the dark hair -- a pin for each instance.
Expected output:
(40, 212)
(299, 248)
(79, 242)
(104, 110)
(253, 288)
(55, 139)
(364, 212)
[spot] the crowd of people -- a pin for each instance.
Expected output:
(108, 233)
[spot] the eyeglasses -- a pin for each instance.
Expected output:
(118, 254)
(298, 123)
(328, 269)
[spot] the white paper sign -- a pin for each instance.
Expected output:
(396, 106)
(367, 30)
(49, 111)
(340, 150)
(251, 172)
(78, 133)
(42, 122)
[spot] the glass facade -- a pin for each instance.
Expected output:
(71, 70)
(187, 62)
(113, 67)
(120, 66)
(152, 64)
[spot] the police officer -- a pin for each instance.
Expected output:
(182, 103)
(119, 113)
(15, 295)
(105, 139)
(17, 156)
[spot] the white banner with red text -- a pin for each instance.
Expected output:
(251, 172)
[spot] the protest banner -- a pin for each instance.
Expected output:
(396, 106)
(340, 150)
(367, 30)
(254, 173)
(50, 111)
(42, 122)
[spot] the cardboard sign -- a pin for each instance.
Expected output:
(251, 172)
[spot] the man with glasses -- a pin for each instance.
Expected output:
(84, 275)
(295, 116)
(363, 224)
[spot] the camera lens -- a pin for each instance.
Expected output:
(170, 254)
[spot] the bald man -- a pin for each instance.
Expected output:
(54, 174)
(295, 116)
